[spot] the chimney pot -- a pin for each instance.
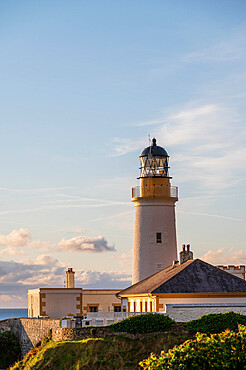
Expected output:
(186, 254)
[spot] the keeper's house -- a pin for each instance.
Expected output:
(187, 290)
(71, 301)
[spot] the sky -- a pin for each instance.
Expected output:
(82, 86)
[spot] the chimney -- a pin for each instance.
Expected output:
(186, 254)
(70, 278)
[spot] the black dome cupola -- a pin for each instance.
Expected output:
(154, 161)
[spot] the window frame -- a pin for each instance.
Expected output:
(93, 308)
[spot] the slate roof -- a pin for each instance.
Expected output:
(192, 276)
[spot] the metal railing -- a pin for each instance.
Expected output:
(155, 191)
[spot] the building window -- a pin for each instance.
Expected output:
(117, 308)
(158, 238)
(93, 309)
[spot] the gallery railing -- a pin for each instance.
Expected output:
(155, 191)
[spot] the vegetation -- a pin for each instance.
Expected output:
(216, 322)
(226, 350)
(207, 351)
(145, 323)
(9, 349)
(109, 353)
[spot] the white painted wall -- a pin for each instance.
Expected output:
(61, 303)
(187, 313)
(153, 216)
(229, 300)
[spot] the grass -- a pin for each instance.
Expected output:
(97, 353)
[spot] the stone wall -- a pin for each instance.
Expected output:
(62, 334)
(29, 331)
(185, 312)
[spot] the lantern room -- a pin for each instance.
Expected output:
(154, 161)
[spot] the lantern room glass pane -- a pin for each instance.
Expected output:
(154, 166)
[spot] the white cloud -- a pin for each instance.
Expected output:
(225, 257)
(124, 146)
(12, 251)
(208, 145)
(22, 238)
(124, 260)
(199, 125)
(212, 146)
(85, 244)
(17, 238)
(46, 259)
(14, 300)
(151, 122)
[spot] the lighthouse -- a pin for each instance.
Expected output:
(155, 245)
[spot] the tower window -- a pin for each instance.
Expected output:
(159, 266)
(158, 238)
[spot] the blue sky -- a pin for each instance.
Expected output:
(83, 84)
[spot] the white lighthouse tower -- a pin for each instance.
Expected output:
(155, 245)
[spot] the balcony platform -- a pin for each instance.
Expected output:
(155, 191)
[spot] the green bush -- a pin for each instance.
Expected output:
(226, 350)
(216, 322)
(9, 349)
(145, 323)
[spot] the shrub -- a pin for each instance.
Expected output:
(9, 349)
(216, 322)
(145, 323)
(226, 350)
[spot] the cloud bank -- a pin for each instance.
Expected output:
(17, 277)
